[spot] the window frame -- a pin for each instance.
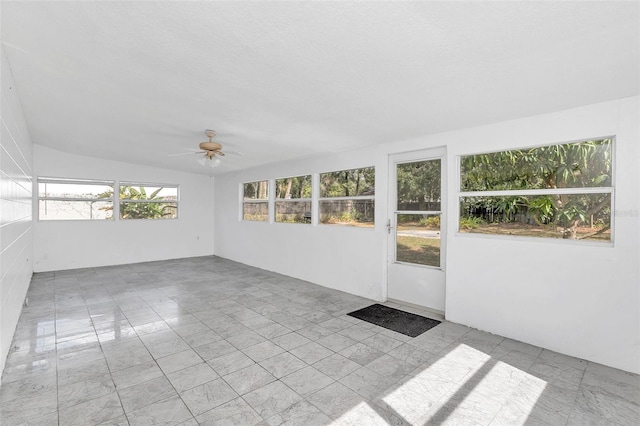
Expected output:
(541, 192)
(76, 181)
(322, 199)
(121, 201)
(438, 155)
(293, 200)
(266, 200)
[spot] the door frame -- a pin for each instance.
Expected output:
(439, 152)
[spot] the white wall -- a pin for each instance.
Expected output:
(16, 241)
(581, 300)
(76, 244)
(337, 257)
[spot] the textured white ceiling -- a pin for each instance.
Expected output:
(137, 81)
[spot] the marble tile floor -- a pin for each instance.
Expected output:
(213, 342)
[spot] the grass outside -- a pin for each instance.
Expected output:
(255, 217)
(413, 226)
(292, 218)
(422, 251)
(524, 230)
(332, 220)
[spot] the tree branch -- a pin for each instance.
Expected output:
(599, 231)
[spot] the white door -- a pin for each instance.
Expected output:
(415, 228)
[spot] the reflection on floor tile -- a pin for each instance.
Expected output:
(209, 341)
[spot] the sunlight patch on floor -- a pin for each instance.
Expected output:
(361, 414)
(465, 384)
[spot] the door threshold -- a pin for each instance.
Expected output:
(415, 309)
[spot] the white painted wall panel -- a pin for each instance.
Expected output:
(16, 239)
(78, 244)
(344, 258)
(581, 300)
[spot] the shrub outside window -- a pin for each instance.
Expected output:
(74, 199)
(293, 199)
(148, 201)
(559, 191)
(255, 201)
(347, 197)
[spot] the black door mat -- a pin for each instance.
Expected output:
(409, 324)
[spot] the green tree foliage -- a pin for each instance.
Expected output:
(140, 205)
(419, 185)
(256, 190)
(348, 183)
(575, 165)
(137, 204)
(294, 187)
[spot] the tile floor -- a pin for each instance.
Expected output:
(209, 341)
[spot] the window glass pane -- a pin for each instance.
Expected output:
(146, 210)
(75, 210)
(257, 211)
(348, 212)
(573, 165)
(348, 183)
(293, 187)
(419, 185)
(418, 239)
(256, 190)
(72, 190)
(293, 211)
(132, 191)
(574, 216)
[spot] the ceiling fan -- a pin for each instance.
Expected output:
(211, 150)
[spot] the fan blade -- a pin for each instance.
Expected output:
(186, 153)
(220, 153)
(236, 153)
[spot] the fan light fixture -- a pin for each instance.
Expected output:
(209, 161)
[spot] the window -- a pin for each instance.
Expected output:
(293, 199)
(347, 197)
(255, 201)
(74, 199)
(559, 191)
(148, 201)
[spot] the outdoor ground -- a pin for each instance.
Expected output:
(524, 230)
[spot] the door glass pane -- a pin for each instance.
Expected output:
(418, 239)
(419, 185)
